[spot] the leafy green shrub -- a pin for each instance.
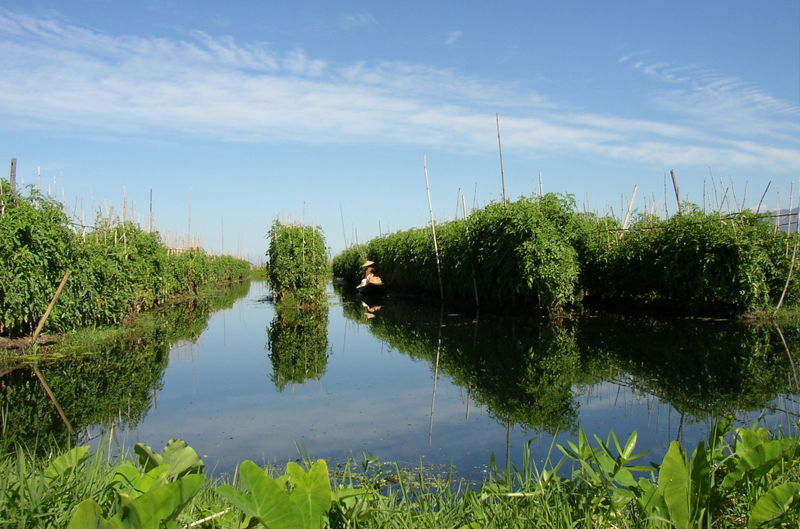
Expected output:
(695, 262)
(298, 263)
(117, 268)
(520, 253)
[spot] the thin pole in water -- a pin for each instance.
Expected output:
(433, 226)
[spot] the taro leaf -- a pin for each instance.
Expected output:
(674, 484)
(756, 455)
(181, 458)
(66, 463)
(312, 492)
(266, 500)
(163, 504)
(89, 516)
(774, 504)
(133, 483)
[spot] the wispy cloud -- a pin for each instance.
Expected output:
(713, 100)
(452, 37)
(82, 81)
(354, 20)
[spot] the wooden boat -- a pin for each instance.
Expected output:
(372, 286)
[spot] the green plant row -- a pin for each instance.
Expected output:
(751, 482)
(116, 267)
(539, 252)
(298, 264)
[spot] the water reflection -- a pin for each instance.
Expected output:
(410, 382)
(533, 373)
(106, 376)
(298, 344)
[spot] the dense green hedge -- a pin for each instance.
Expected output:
(298, 263)
(521, 252)
(539, 252)
(117, 268)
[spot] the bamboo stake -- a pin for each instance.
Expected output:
(630, 207)
(677, 191)
(500, 148)
(762, 197)
(50, 306)
(13, 175)
(433, 227)
(35, 336)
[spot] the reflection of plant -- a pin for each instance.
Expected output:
(298, 344)
(700, 368)
(522, 373)
(107, 374)
(298, 264)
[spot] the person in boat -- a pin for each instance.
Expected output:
(370, 275)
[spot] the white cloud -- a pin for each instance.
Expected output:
(355, 20)
(85, 82)
(452, 37)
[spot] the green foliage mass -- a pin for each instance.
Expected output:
(694, 262)
(539, 252)
(117, 268)
(298, 264)
(727, 481)
(521, 252)
(298, 344)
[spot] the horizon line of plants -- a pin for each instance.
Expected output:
(116, 267)
(297, 265)
(540, 252)
(752, 481)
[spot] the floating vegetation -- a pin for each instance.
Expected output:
(298, 264)
(116, 267)
(540, 253)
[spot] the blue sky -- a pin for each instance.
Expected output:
(238, 113)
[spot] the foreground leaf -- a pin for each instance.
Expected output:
(773, 504)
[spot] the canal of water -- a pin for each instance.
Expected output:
(410, 383)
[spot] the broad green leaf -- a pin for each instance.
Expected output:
(181, 458)
(89, 516)
(66, 463)
(773, 504)
(674, 485)
(266, 500)
(312, 491)
(162, 504)
(147, 457)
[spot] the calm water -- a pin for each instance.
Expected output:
(412, 383)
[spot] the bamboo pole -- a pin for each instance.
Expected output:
(13, 175)
(630, 207)
(35, 336)
(52, 304)
(677, 191)
(433, 227)
(762, 197)
(500, 148)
